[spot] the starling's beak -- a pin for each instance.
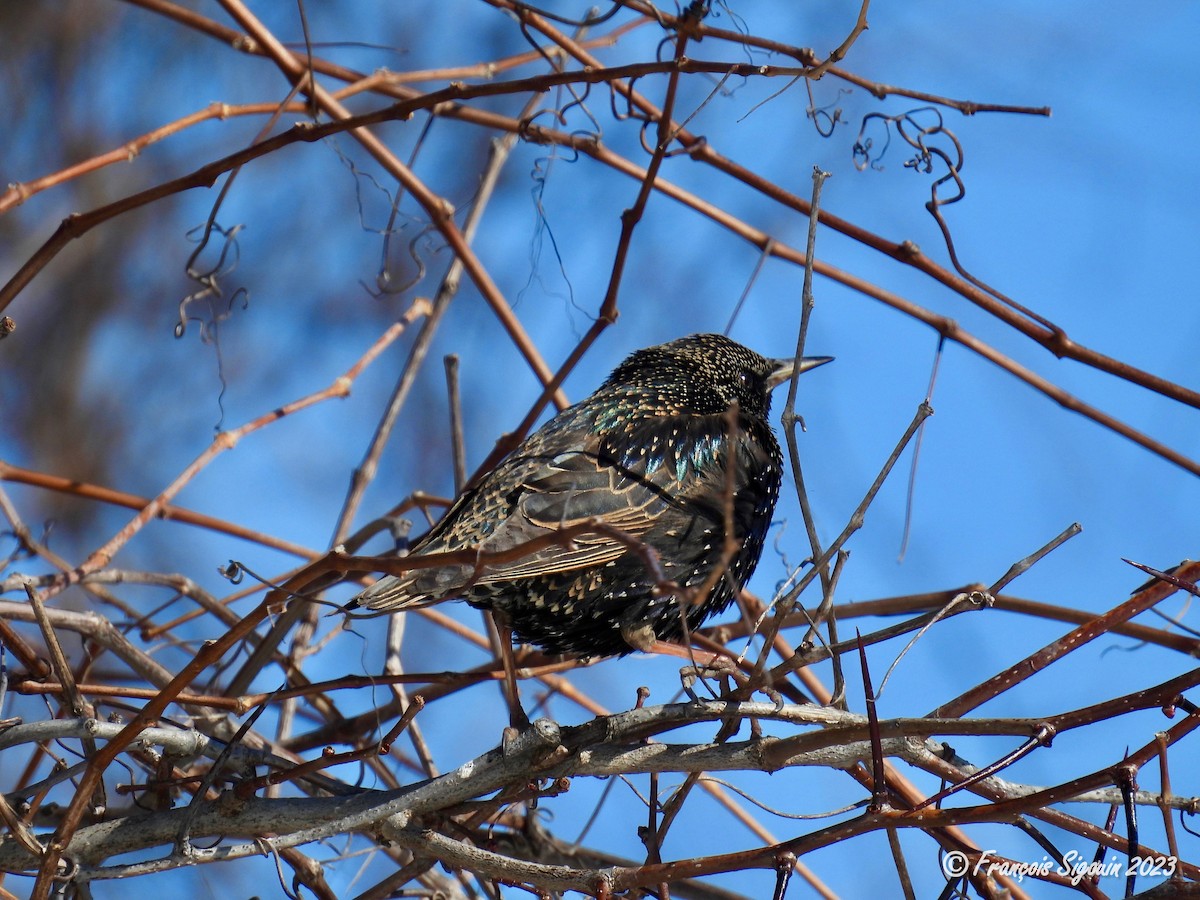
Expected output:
(781, 369)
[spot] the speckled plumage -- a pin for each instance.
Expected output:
(646, 453)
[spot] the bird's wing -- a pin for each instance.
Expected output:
(571, 490)
(679, 477)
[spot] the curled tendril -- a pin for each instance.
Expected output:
(210, 280)
(916, 134)
(384, 284)
(234, 572)
(1183, 824)
(666, 44)
(864, 145)
(823, 120)
(586, 22)
(739, 24)
(579, 100)
(631, 111)
(208, 325)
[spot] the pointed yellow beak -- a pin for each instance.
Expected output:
(783, 368)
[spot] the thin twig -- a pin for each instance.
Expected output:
(458, 447)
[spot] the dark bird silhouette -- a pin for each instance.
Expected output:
(648, 455)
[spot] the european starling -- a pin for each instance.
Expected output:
(647, 454)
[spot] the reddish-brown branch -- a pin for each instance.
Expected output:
(1036, 662)
(167, 511)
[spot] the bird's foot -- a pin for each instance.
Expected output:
(639, 636)
(715, 667)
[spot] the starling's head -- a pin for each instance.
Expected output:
(706, 373)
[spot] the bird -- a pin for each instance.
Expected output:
(652, 454)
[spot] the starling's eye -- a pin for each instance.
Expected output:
(744, 379)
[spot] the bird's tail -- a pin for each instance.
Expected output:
(411, 590)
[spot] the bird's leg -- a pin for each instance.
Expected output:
(704, 664)
(516, 714)
(702, 658)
